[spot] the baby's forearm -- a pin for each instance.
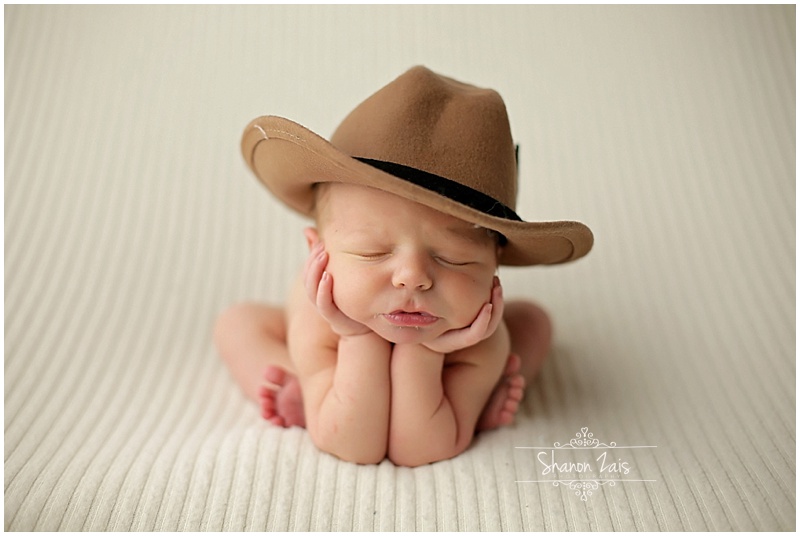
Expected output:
(353, 416)
(422, 426)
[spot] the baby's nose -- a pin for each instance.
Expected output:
(412, 274)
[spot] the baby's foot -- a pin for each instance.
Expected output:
(504, 401)
(281, 399)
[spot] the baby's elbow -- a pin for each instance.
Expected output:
(418, 459)
(362, 458)
(404, 459)
(362, 453)
(416, 454)
(369, 456)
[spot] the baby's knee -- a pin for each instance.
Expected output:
(244, 320)
(529, 325)
(528, 314)
(229, 321)
(236, 322)
(227, 324)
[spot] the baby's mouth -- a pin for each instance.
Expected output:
(411, 318)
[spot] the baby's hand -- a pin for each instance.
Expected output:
(481, 328)
(319, 287)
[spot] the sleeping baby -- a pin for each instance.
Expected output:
(396, 340)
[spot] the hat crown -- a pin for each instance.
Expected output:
(438, 125)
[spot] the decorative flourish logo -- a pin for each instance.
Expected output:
(592, 473)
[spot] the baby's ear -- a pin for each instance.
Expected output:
(312, 237)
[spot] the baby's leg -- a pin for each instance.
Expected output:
(504, 401)
(251, 339)
(531, 331)
(531, 334)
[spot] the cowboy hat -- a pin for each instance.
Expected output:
(429, 139)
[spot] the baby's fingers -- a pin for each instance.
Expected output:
(480, 326)
(487, 320)
(313, 270)
(498, 307)
(468, 336)
(339, 322)
(324, 298)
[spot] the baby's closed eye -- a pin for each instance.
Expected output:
(453, 260)
(370, 255)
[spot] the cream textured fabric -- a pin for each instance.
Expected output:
(131, 221)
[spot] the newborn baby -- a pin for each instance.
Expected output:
(395, 341)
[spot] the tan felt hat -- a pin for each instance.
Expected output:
(424, 137)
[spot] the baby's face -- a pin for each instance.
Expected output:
(408, 272)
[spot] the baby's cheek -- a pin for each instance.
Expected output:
(472, 299)
(346, 294)
(339, 274)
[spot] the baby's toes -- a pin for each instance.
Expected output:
(507, 413)
(277, 420)
(516, 387)
(513, 366)
(516, 394)
(269, 405)
(511, 406)
(275, 375)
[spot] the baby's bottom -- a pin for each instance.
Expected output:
(251, 339)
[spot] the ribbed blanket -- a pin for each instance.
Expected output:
(131, 221)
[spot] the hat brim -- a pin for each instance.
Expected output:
(290, 159)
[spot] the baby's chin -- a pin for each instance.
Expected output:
(408, 334)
